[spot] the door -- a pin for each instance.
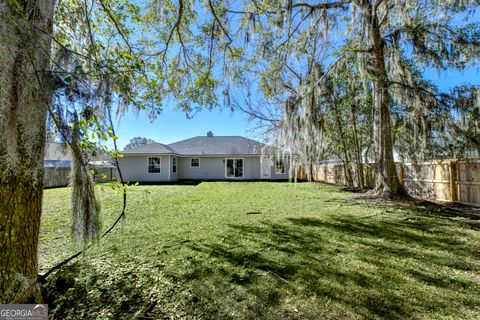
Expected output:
(265, 168)
(234, 168)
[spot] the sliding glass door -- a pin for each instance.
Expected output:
(234, 168)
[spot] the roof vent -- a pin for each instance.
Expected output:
(209, 134)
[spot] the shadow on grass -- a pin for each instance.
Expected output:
(413, 264)
(345, 267)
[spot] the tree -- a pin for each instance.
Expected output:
(348, 103)
(24, 98)
(383, 36)
(83, 57)
(137, 142)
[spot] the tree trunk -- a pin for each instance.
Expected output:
(358, 153)
(24, 97)
(346, 162)
(387, 183)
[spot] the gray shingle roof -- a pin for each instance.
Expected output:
(221, 145)
(156, 148)
(204, 146)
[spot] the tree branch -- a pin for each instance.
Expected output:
(115, 23)
(330, 69)
(214, 13)
(322, 6)
(175, 27)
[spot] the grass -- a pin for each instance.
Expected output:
(263, 251)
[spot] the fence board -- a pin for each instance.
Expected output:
(444, 180)
(60, 177)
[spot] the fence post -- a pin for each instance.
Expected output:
(453, 179)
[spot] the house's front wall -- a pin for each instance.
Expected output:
(213, 168)
(135, 168)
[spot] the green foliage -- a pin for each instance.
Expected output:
(347, 102)
(117, 55)
(258, 250)
(285, 41)
(137, 142)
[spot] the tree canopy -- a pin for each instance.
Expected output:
(297, 51)
(137, 142)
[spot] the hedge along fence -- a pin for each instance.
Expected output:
(60, 177)
(444, 180)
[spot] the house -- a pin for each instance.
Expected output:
(202, 158)
(58, 155)
(57, 162)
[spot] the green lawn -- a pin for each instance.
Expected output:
(263, 251)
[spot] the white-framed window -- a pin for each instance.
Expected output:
(233, 168)
(154, 164)
(279, 166)
(174, 165)
(194, 162)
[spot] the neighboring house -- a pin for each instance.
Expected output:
(58, 161)
(202, 158)
(58, 155)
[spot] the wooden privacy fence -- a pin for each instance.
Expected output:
(60, 177)
(445, 180)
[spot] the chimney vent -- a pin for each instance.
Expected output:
(209, 134)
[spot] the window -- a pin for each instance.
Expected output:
(279, 166)
(174, 165)
(194, 162)
(154, 165)
(234, 168)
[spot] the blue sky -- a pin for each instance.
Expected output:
(173, 125)
(452, 78)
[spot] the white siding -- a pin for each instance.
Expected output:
(280, 176)
(135, 168)
(173, 176)
(213, 168)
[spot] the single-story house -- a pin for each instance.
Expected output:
(202, 158)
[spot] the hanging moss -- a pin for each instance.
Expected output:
(85, 207)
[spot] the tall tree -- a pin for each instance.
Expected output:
(72, 57)
(384, 35)
(137, 142)
(25, 93)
